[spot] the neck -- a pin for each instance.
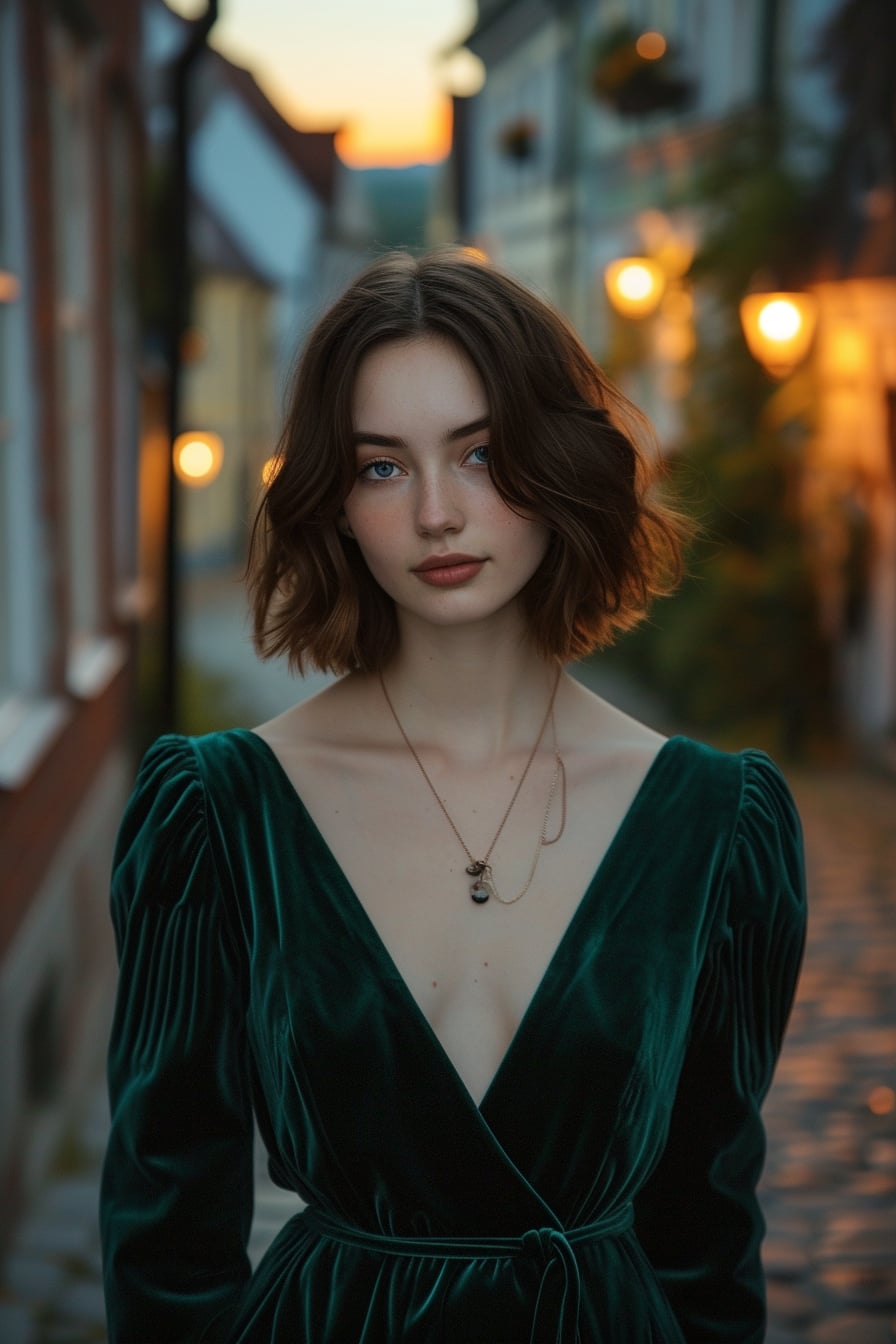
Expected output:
(475, 696)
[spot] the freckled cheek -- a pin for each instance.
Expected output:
(379, 541)
(373, 527)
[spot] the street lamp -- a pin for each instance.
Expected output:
(178, 305)
(778, 328)
(9, 287)
(634, 285)
(197, 457)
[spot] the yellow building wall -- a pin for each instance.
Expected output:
(229, 388)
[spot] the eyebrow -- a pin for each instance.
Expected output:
(389, 441)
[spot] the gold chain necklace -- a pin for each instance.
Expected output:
(480, 869)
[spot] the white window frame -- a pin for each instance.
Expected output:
(29, 717)
(92, 657)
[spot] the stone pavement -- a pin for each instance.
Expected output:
(829, 1189)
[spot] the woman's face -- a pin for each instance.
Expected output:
(434, 531)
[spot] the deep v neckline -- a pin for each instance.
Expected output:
(380, 951)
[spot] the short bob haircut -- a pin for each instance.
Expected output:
(563, 447)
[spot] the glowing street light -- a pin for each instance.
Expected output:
(778, 328)
(634, 285)
(197, 457)
(9, 287)
(650, 46)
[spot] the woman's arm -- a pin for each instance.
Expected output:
(698, 1217)
(176, 1202)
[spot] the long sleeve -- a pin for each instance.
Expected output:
(176, 1201)
(698, 1217)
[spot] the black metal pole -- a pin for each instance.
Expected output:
(178, 317)
(767, 74)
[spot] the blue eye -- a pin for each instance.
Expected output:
(379, 470)
(479, 454)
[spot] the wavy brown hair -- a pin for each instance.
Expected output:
(565, 446)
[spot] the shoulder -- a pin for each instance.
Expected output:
(163, 839)
(167, 794)
(736, 809)
(180, 769)
(748, 786)
(767, 860)
(758, 826)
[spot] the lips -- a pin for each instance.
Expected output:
(447, 571)
(446, 562)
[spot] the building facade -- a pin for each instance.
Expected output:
(71, 146)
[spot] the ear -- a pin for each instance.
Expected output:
(343, 527)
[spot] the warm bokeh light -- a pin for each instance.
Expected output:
(778, 329)
(9, 287)
(270, 469)
(779, 320)
(846, 353)
(678, 304)
(634, 285)
(881, 1100)
(198, 455)
(651, 46)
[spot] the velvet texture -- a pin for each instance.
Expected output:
(604, 1191)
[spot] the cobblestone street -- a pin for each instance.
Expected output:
(830, 1180)
(829, 1189)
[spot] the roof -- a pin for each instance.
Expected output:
(313, 153)
(215, 247)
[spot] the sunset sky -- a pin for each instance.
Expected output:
(370, 66)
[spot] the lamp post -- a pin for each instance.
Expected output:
(9, 287)
(197, 456)
(178, 313)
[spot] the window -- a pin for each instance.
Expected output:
(74, 191)
(27, 718)
(125, 342)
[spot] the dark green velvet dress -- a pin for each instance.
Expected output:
(604, 1190)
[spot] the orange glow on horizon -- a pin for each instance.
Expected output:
(360, 146)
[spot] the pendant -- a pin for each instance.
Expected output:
(476, 867)
(483, 887)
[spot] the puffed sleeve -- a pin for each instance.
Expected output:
(698, 1217)
(176, 1201)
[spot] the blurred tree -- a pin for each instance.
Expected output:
(739, 651)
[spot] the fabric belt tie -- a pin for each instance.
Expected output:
(552, 1247)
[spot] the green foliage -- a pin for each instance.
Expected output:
(633, 84)
(208, 702)
(738, 652)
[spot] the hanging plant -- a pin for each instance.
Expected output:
(518, 138)
(635, 73)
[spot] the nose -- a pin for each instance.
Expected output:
(438, 507)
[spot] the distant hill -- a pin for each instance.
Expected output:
(399, 202)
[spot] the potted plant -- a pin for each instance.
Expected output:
(635, 73)
(518, 138)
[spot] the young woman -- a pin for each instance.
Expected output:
(501, 974)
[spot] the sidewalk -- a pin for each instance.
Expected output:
(829, 1189)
